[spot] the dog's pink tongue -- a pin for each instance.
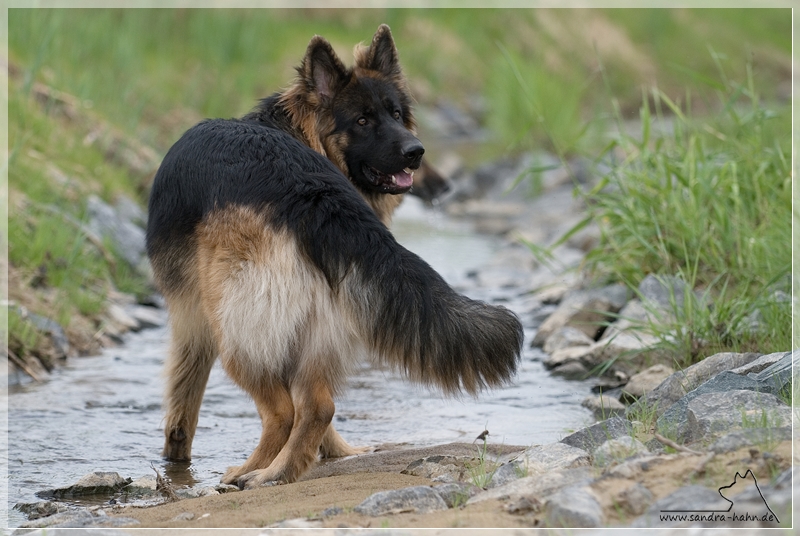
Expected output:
(403, 179)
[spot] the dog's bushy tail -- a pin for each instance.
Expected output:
(419, 325)
(402, 309)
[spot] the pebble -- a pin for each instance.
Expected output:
(573, 508)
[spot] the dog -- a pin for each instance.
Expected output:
(268, 239)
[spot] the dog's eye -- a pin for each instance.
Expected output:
(362, 121)
(397, 115)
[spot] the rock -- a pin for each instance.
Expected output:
(183, 516)
(96, 483)
(538, 485)
(571, 371)
(606, 384)
(553, 295)
(632, 317)
(759, 364)
(635, 500)
(666, 292)
(616, 450)
(677, 385)
(141, 487)
(419, 499)
(331, 511)
(121, 317)
(585, 310)
(545, 458)
(566, 337)
(80, 519)
(563, 356)
(750, 437)
(452, 468)
(603, 406)
(626, 352)
(127, 238)
(147, 317)
(456, 494)
(595, 435)
(506, 473)
(647, 380)
(712, 413)
(779, 374)
(193, 493)
(129, 210)
(573, 508)
(773, 379)
(41, 509)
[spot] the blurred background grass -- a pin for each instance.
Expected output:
(550, 79)
(153, 72)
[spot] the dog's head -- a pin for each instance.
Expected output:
(362, 115)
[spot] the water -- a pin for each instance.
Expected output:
(103, 413)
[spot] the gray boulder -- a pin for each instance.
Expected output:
(714, 413)
(420, 499)
(595, 435)
(96, 483)
(647, 380)
(737, 439)
(677, 385)
(80, 519)
(665, 292)
(603, 406)
(586, 310)
(539, 485)
(566, 337)
(573, 508)
(617, 450)
(540, 459)
(127, 237)
(774, 379)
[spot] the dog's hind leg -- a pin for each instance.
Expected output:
(191, 356)
(276, 409)
(334, 446)
(313, 411)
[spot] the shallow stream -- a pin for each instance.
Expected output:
(104, 413)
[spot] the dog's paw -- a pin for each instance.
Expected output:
(258, 479)
(232, 475)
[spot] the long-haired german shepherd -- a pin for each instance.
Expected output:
(267, 237)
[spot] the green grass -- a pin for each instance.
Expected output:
(708, 199)
(482, 470)
(153, 72)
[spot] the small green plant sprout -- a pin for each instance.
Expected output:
(482, 471)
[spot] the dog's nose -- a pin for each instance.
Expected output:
(413, 151)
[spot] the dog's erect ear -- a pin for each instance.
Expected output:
(382, 54)
(322, 70)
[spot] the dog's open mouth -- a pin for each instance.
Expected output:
(395, 183)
